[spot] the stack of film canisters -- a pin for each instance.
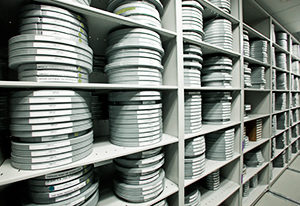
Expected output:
(259, 50)
(222, 4)
(246, 43)
(244, 170)
(258, 77)
(144, 12)
(259, 127)
(98, 75)
(281, 141)
(49, 128)
(279, 160)
(254, 181)
(74, 186)
(99, 106)
(280, 102)
(295, 67)
(281, 80)
(192, 62)
(281, 121)
(274, 79)
(295, 147)
(246, 141)
(218, 32)
(296, 50)
(52, 46)
(273, 143)
(161, 203)
(194, 157)
(192, 20)
(192, 112)
(288, 154)
(219, 145)
(274, 124)
(216, 107)
(273, 56)
(213, 180)
(253, 158)
(281, 60)
(246, 189)
(247, 109)
(140, 177)
(135, 118)
(247, 75)
(192, 197)
(216, 71)
(282, 39)
(134, 57)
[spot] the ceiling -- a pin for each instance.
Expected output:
(286, 12)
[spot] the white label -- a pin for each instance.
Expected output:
(54, 92)
(50, 119)
(52, 132)
(51, 126)
(50, 145)
(51, 152)
(67, 196)
(51, 158)
(62, 179)
(51, 164)
(59, 174)
(49, 100)
(67, 191)
(50, 106)
(68, 184)
(76, 202)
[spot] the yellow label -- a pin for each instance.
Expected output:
(81, 30)
(87, 181)
(80, 40)
(125, 9)
(79, 75)
(79, 68)
(79, 34)
(82, 25)
(78, 17)
(79, 81)
(76, 134)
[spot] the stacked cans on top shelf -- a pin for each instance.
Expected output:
(258, 77)
(259, 50)
(77, 185)
(282, 40)
(134, 57)
(246, 43)
(217, 71)
(192, 112)
(192, 20)
(192, 62)
(218, 32)
(194, 157)
(219, 145)
(135, 118)
(222, 4)
(144, 12)
(50, 128)
(52, 47)
(140, 177)
(216, 107)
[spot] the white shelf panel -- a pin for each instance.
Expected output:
(207, 128)
(297, 75)
(251, 171)
(293, 141)
(254, 144)
(280, 69)
(254, 61)
(256, 90)
(88, 86)
(254, 194)
(210, 49)
(108, 198)
(210, 166)
(278, 132)
(210, 198)
(277, 171)
(294, 57)
(280, 111)
(212, 88)
(295, 123)
(280, 90)
(294, 155)
(277, 152)
(279, 48)
(102, 151)
(251, 117)
(254, 32)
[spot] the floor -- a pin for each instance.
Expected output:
(286, 190)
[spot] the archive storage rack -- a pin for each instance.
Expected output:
(245, 15)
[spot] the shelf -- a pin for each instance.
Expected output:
(251, 171)
(251, 117)
(254, 194)
(254, 61)
(293, 141)
(209, 197)
(108, 198)
(295, 123)
(279, 48)
(86, 86)
(219, 12)
(255, 144)
(277, 171)
(280, 69)
(256, 90)
(211, 166)
(279, 111)
(278, 132)
(211, 49)
(280, 90)
(102, 151)
(277, 153)
(294, 57)
(252, 32)
(212, 88)
(208, 128)
(297, 75)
